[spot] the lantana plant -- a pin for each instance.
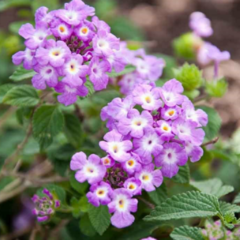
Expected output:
(115, 137)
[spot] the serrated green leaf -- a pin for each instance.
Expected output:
(217, 88)
(48, 121)
(22, 96)
(183, 175)
(186, 205)
(73, 130)
(22, 74)
(189, 75)
(86, 226)
(75, 204)
(212, 186)
(228, 207)
(187, 233)
(237, 198)
(128, 69)
(4, 89)
(100, 218)
(214, 123)
(79, 187)
(159, 195)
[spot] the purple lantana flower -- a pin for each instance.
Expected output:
(172, 156)
(85, 31)
(74, 71)
(69, 93)
(132, 165)
(121, 206)
(108, 161)
(116, 146)
(61, 29)
(133, 185)
(87, 169)
(45, 206)
(186, 130)
(75, 12)
(46, 75)
(104, 43)
(99, 194)
(149, 177)
(198, 116)
(194, 152)
(165, 130)
(171, 93)
(135, 123)
(147, 96)
(200, 24)
(149, 67)
(98, 73)
(26, 57)
(170, 113)
(146, 146)
(55, 53)
(34, 37)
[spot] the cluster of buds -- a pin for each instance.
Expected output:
(216, 231)
(66, 47)
(142, 147)
(45, 206)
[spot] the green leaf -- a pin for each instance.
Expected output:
(22, 96)
(217, 88)
(79, 187)
(56, 190)
(159, 195)
(48, 121)
(183, 175)
(214, 123)
(213, 186)
(187, 233)
(237, 199)
(73, 130)
(80, 206)
(189, 75)
(185, 205)
(128, 69)
(228, 207)
(5, 181)
(100, 218)
(22, 74)
(4, 89)
(86, 226)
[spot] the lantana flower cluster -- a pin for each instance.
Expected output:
(66, 47)
(205, 51)
(148, 70)
(216, 231)
(45, 206)
(152, 132)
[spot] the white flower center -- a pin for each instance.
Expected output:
(121, 203)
